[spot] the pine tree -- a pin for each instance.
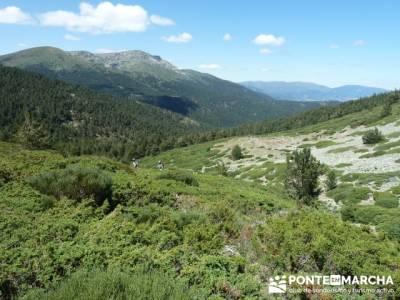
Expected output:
(303, 171)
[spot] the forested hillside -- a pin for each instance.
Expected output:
(311, 117)
(141, 76)
(44, 113)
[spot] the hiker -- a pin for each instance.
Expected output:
(135, 163)
(160, 165)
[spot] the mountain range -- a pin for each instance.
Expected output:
(140, 76)
(305, 91)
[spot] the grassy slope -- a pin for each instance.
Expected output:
(175, 229)
(200, 154)
(355, 187)
(44, 240)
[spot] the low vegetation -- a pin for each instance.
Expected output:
(183, 177)
(189, 241)
(74, 182)
(142, 284)
(349, 194)
(386, 199)
(385, 220)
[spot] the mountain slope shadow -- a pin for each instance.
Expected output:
(178, 105)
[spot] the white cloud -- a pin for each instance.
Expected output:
(269, 39)
(334, 46)
(22, 45)
(14, 15)
(103, 18)
(70, 37)
(210, 67)
(107, 51)
(359, 43)
(265, 69)
(227, 37)
(180, 38)
(265, 51)
(161, 21)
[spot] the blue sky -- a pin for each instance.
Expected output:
(327, 42)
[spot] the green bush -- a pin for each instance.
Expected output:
(331, 181)
(385, 219)
(372, 214)
(349, 194)
(76, 183)
(311, 239)
(387, 200)
(396, 190)
(236, 153)
(347, 213)
(97, 285)
(372, 137)
(5, 174)
(391, 227)
(184, 177)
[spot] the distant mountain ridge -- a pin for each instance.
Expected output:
(306, 91)
(148, 78)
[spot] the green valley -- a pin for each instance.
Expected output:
(199, 150)
(207, 226)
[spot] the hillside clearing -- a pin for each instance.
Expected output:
(346, 149)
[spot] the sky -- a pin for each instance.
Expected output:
(327, 42)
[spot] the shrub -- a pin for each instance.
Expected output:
(236, 153)
(331, 181)
(222, 169)
(302, 173)
(184, 177)
(349, 194)
(305, 240)
(387, 200)
(396, 190)
(372, 137)
(94, 285)
(391, 227)
(5, 174)
(347, 213)
(75, 183)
